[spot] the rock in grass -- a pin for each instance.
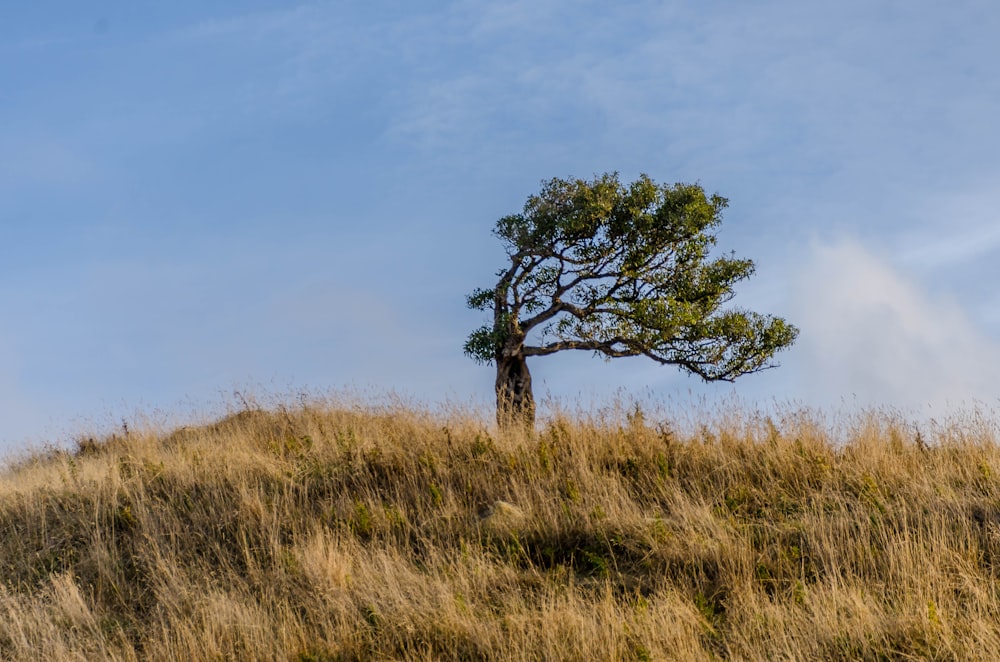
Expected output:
(501, 514)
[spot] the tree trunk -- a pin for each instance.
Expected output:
(515, 403)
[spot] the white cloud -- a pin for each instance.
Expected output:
(260, 25)
(870, 332)
(512, 15)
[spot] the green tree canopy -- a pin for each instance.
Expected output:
(619, 270)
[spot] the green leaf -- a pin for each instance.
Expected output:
(624, 270)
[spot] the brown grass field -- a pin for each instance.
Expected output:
(345, 532)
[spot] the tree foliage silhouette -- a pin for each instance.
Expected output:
(619, 270)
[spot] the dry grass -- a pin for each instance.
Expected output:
(345, 533)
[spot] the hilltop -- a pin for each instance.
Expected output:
(345, 533)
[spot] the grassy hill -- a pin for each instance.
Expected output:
(344, 534)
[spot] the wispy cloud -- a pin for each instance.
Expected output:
(302, 19)
(869, 331)
(954, 228)
(314, 57)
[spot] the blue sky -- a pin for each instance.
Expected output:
(197, 197)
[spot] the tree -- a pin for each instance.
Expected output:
(620, 271)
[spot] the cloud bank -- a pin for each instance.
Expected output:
(871, 332)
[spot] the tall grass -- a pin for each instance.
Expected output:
(346, 533)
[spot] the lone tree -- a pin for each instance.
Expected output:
(620, 271)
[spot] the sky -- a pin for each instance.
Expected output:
(198, 198)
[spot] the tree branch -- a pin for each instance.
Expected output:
(604, 346)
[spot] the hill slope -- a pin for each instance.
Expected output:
(326, 534)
